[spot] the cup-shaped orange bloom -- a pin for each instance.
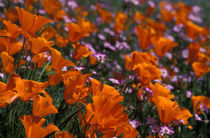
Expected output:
(182, 12)
(51, 6)
(81, 51)
(159, 27)
(128, 131)
(39, 59)
(106, 113)
(143, 57)
(200, 103)
(143, 37)
(147, 72)
(194, 49)
(12, 29)
(86, 26)
(6, 96)
(58, 62)
(33, 126)
(8, 62)
(169, 111)
(200, 68)
(10, 46)
(40, 45)
(43, 106)
(120, 21)
(139, 17)
(63, 134)
(166, 15)
(11, 14)
(163, 45)
(105, 15)
(30, 23)
(61, 41)
(193, 30)
(109, 91)
(48, 33)
(159, 90)
(75, 89)
(75, 32)
(25, 89)
(29, 4)
(54, 79)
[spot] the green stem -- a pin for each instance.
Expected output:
(68, 118)
(18, 61)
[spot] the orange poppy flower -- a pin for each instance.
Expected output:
(48, 33)
(63, 134)
(11, 14)
(43, 106)
(159, 90)
(106, 114)
(105, 15)
(200, 68)
(80, 51)
(75, 89)
(143, 57)
(200, 102)
(166, 15)
(30, 23)
(182, 12)
(169, 111)
(193, 51)
(54, 79)
(51, 6)
(8, 62)
(139, 17)
(39, 59)
(13, 30)
(25, 89)
(128, 131)
(40, 45)
(120, 21)
(163, 45)
(17, 87)
(193, 30)
(29, 4)
(143, 37)
(33, 126)
(10, 46)
(147, 72)
(75, 32)
(109, 91)
(61, 41)
(159, 27)
(58, 62)
(6, 96)
(86, 26)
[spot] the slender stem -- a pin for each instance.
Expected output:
(59, 111)
(18, 62)
(68, 118)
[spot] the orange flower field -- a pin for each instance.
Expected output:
(110, 69)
